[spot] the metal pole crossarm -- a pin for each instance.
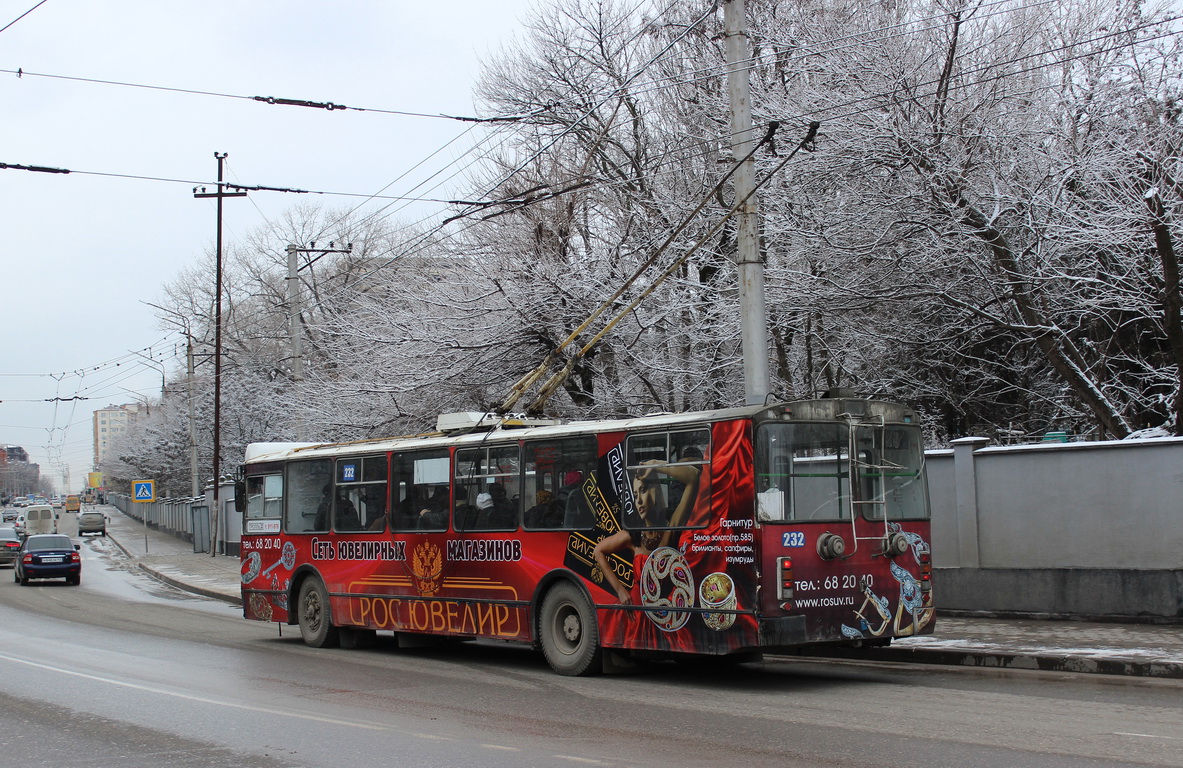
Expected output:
(330, 106)
(34, 168)
(219, 193)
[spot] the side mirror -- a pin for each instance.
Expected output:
(240, 496)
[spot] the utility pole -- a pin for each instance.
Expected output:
(294, 310)
(748, 260)
(220, 194)
(194, 485)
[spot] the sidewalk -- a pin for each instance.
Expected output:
(173, 560)
(1136, 650)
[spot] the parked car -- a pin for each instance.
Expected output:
(48, 556)
(92, 522)
(10, 544)
(40, 518)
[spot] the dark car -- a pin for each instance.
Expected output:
(48, 556)
(10, 544)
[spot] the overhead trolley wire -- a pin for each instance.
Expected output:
(576, 184)
(857, 40)
(800, 118)
(23, 15)
(824, 113)
(272, 100)
(469, 164)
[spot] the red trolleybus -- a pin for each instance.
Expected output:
(725, 532)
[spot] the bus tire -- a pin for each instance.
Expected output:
(568, 631)
(316, 617)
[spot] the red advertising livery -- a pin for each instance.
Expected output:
(721, 532)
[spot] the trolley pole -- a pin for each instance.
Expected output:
(221, 193)
(749, 263)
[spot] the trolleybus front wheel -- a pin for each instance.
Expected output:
(316, 621)
(570, 637)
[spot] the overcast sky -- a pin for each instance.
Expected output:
(83, 252)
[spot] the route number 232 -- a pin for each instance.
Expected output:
(792, 539)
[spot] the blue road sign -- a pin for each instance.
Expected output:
(143, 490)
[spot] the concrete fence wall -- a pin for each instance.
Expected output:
(1087, 529)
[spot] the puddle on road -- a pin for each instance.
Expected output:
(127, 580)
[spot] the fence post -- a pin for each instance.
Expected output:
(966, 483)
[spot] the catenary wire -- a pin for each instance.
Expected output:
(23, 15)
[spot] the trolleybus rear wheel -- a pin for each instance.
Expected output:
(570, 637)
(316, 620)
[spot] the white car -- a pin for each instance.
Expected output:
(40, 518)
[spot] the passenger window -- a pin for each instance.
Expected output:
(420, 484)
(669, 480)
(264, 496)
(309, 496)
(487, 488)
(554, 472)
(360, 498)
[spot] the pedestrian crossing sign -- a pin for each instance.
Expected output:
(143, 490)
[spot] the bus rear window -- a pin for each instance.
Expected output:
(891, 473)
(803, 472)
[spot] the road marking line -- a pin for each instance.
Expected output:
(587, 760)
(189, 697)
(1148, 736)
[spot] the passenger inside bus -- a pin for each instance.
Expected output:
(374, 503)
(547, 513)
(434, 516)
(499, 513)
(324, 508)
(347, 517)
(576, 513)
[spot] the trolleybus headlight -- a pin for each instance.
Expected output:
(830, 546)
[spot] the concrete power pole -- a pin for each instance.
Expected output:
(297, 340)
(748, 260)
(195, 486)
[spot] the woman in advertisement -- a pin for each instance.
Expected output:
(650, 513)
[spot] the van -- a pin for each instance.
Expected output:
(40, 518)
(73, 503)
